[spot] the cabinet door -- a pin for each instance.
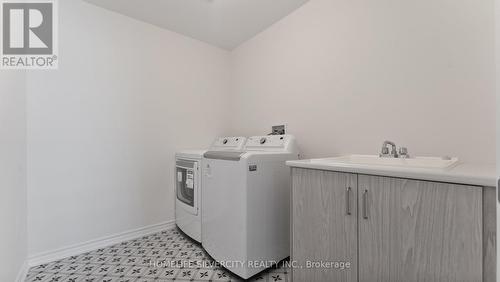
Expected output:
(418, 231)
(324, 225)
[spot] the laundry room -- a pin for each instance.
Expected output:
(249, 140)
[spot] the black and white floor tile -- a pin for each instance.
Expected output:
(165, 256)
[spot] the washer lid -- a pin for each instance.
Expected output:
(190, 154)
(224, 155)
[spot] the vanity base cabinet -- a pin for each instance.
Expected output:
(324, 228)
(419, 231)
(388, 229)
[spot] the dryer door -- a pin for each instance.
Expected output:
(186, 185)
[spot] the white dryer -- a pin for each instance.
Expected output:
(246, 204)
(188, 184)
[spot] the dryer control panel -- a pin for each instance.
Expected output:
(228, 143)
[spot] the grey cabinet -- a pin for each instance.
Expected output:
(419, 231)
(324, 225)
(388, 229)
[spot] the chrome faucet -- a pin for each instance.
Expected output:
(385, 150)
(403, 153)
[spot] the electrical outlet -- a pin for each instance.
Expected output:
(279, 129)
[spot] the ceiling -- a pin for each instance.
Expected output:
(223, 23)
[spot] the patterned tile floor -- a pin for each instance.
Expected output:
(165, 256)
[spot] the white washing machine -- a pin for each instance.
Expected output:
(246, 204)
(188, 184)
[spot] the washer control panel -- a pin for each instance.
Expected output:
(268, 141)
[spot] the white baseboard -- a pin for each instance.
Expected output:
(23, 272)
(45, 257)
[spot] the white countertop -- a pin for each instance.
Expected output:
(462, 173)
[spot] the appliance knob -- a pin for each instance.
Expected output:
(224, 141)
(263, 140)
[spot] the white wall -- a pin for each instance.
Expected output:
(13, 237)
(347, 75)
(103, 129)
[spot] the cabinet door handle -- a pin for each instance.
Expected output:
(348, 200)
(365, 204)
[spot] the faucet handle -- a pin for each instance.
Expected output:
(403, 152)
(385, 151)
